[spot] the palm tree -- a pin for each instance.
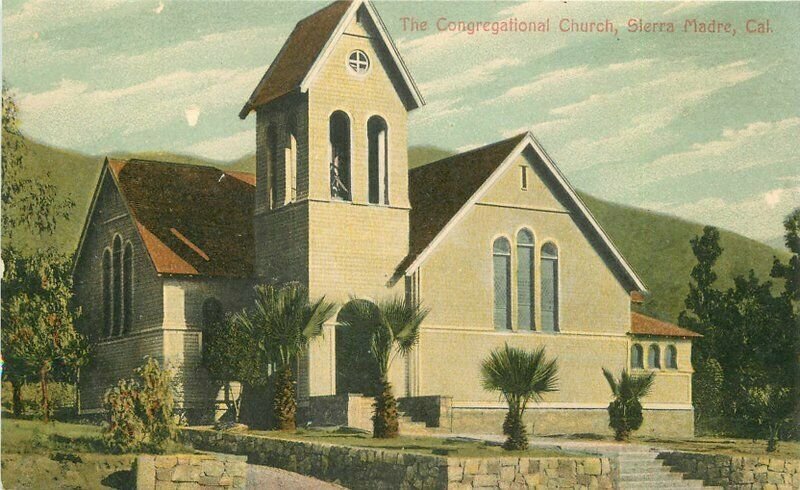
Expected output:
(281, 323)
(625, 411)
(521, 376)
(393, 327)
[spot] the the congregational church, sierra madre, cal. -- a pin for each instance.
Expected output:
(494, 241)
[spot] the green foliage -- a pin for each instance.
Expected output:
(139, 412)
(39, 339)
(790, 271)
(392, 328)
(520, 376)
(752, 336)
(625, 411)
(279, 326)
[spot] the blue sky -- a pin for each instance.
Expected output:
(703, 126)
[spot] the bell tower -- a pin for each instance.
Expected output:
(331, 154)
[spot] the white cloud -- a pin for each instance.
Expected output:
(435, 111)
(159, 8)
(226, 148)
(192, 114)
(479, 74)
(35, 15)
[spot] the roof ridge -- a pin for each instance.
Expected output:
(473, 150)
(164, 162)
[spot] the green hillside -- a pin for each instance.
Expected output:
(656, 245)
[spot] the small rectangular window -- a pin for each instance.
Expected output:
(524, 177)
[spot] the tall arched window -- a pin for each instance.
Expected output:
(108, 300)
(501, 255)
(378, 165)
(117, 303)
(127, 288)
(272, 165)
(654, 357)
(525, 279)
(549, 271)
(637, 356)
(339, 133)
(291, 159)
(671, 357)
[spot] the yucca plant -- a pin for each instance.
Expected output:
(393, 327)
(281, 323)
(625, 411)
(520, 376)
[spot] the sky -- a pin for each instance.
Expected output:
(702, 125)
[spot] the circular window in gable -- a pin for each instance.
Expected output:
(358, 61)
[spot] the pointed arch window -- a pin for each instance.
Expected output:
(501, 258)
(108, 323)
(654, 357)
(525, 264)
(117, 284)
(339, 134)
(378, 162)
(291, 159)
(272, 152)
(549, 278)
(637, 356)
(127, 288)
(671, 357)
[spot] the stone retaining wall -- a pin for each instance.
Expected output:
(739, 472)
(221, 471)
(367, 468)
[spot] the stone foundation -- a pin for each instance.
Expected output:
(545, 421)
(188, 471)
(739, 472)
(367, 468)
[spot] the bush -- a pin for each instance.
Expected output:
(625, 416)
(139, 412)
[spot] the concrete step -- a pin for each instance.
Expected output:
(642, 467)
(649, 485)
(650, 476)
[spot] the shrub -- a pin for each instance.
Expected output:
(625, 411)
(139, 412)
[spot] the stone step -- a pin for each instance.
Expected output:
(649, 485)
(649, 475)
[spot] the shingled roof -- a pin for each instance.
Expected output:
(193, 220)
(438, 190)
(645, 325)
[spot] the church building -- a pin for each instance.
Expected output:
(494, 241)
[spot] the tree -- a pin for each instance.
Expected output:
(393, 329)
(520, 376)
(280, 325)
(790, 271)
(29, 203)
(39, 336)
(625, 411)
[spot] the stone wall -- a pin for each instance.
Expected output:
(191, 471)
(740, 472)
(367, 468)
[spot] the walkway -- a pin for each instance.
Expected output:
(265, 477)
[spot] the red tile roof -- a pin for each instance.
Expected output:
(193, 220)
(297, 55)
(439, 189)
(645, 325)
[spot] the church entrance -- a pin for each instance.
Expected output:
(356, 369)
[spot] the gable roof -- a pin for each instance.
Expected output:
(193, 220)
(645, 325)
(309, 44)
(442, 192)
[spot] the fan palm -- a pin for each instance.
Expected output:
(281, 323)
(521, 376)
(625, 411)
(393, 327)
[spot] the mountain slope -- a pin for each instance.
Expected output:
(656, 245)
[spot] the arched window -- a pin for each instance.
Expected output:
(127, 288)
(549, 271)
(671, 357)
(637, 356)
(339, 132)
(378, 164)
(272, 151)
(525, 279)
(291, 159)
(501, 255)
(654, 357)
(117, 286)
(108, 299)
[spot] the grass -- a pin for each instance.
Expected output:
(451, 447)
